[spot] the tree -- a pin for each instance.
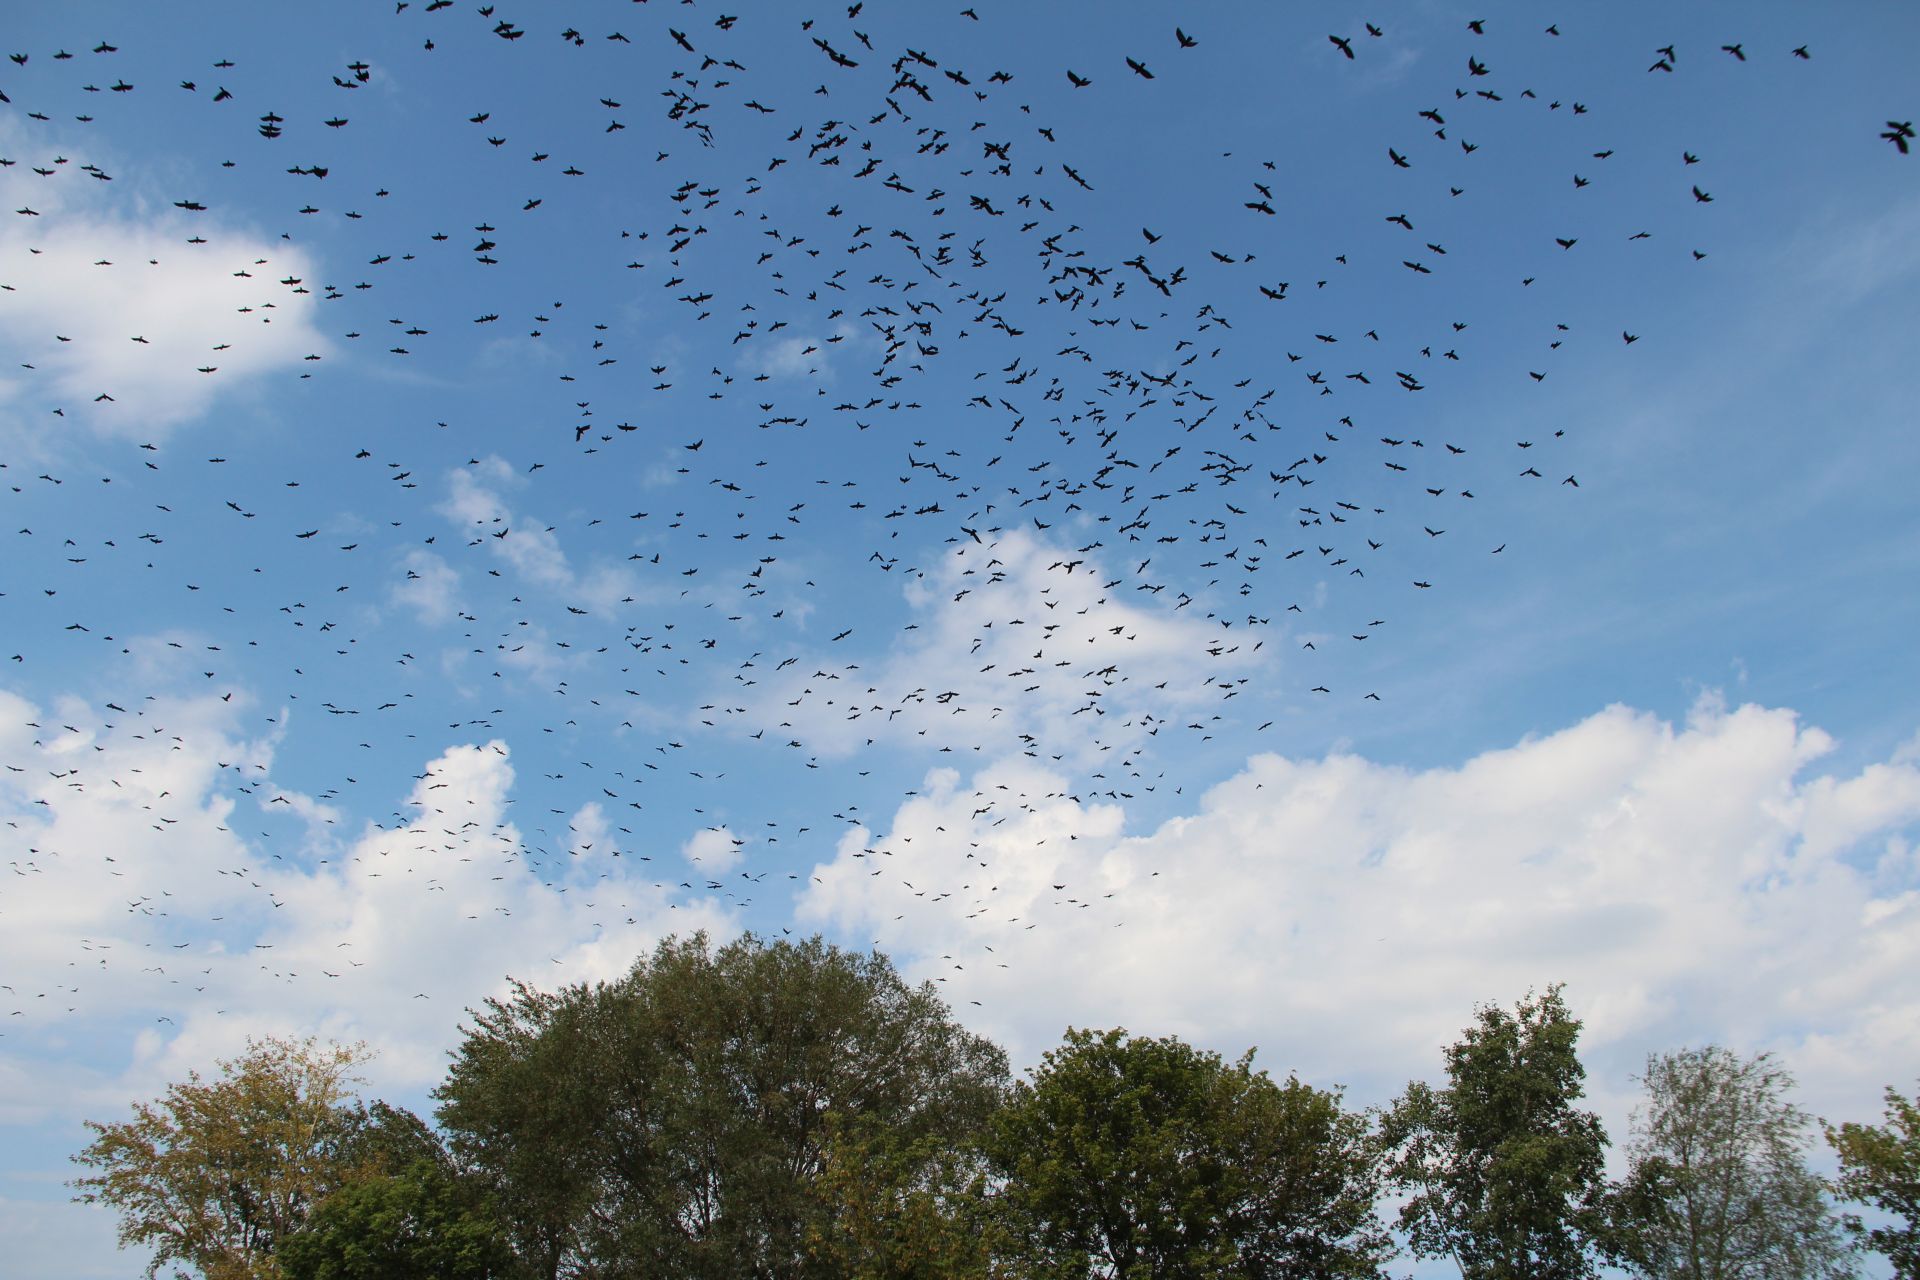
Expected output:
(377, 1137)
(1128, 1156)
(1718, 1186)
(419, 1223)
(1880, 1166)
(217, 1174)
(1504, 1172)
(897, 1210)
(674, 1122)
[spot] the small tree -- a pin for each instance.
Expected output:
(1718, 1186)
(217, 1174)
(1128, 1156)
(1880, 1166)
(1505, 1173)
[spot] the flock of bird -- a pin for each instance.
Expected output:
(938, 444)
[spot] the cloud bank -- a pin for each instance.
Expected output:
(1687, 882)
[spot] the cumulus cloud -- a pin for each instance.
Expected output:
(1018, 621)
(474, 503)
(1687, 882)
(800, 356)
(477, 505)
(205, 937)
(431, 587)
(108, 298)
(713, 850)
(590, 832)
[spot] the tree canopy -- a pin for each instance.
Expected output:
(216, 1174)
(675, 1121)
(419, 1222)
(1880, 1166)
(1504, 1173)
(788, 1110)
(897, 1209)
(1130, 1156)
(1718, 1186)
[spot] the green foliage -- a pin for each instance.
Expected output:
(674, 1122)
(1139, 1157)
(420, 1223)
(377, 1137)
(791, 1111)
(1718, 1186)
(217, 1174)
(1504, 1172)
(897, 1210)
(1880, 1166)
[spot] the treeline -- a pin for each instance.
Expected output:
(789, 1111)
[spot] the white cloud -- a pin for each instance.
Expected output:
(108, 297)
(1687, 883)
(475, 504)
(478, 508)
(1018, 621)
(431, 588)
(713, 850)
(802, 355)
(134, 900)
(591, 833)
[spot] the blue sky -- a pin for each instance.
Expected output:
(630, 492)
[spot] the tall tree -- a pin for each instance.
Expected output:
(1880, 1166)
(1504, 1172)
(1127, 1156)
(218, 1173)
(1717, 1186)
(674, 1122)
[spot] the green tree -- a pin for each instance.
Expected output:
(897, 1210)
(378, 1137)
(674, 1122)
(1127, 1156)
(1880, 1166)
(1504, 1173)
(1717, 1186)
(418, 1223)
(216, 1174)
